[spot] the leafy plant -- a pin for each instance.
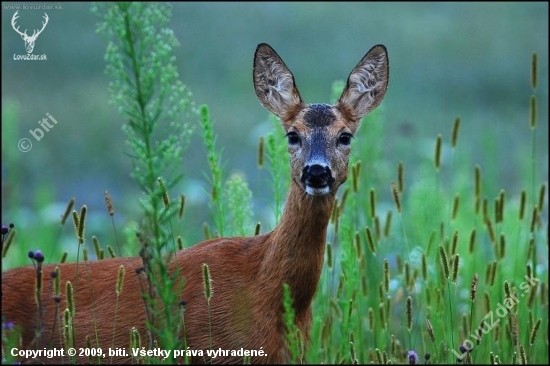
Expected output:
(146, 89)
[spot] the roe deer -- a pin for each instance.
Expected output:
(247, 273)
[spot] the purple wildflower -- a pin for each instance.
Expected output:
(39, 256)
(413, 357)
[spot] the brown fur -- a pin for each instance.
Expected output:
(247, 273)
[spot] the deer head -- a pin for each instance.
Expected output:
(29, 41)
(319, 135)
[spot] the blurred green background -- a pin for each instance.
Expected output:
(446, 60)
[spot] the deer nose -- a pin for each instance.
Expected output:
(317, 176)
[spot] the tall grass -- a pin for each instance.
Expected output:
(445, 249)
(420, 268)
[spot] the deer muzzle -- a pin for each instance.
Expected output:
(317, 179)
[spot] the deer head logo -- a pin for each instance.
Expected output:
(29, 41)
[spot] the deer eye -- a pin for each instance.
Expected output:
(345, 138)
(293, 138)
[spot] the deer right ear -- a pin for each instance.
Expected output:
(366, 85)
(274, 83)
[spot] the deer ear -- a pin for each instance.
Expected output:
(366, 85)
(274, 83)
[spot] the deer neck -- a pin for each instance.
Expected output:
(296, 249)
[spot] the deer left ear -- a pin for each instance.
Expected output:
(366, 85)
(274, 83)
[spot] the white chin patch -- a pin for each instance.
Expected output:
(317, 191)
